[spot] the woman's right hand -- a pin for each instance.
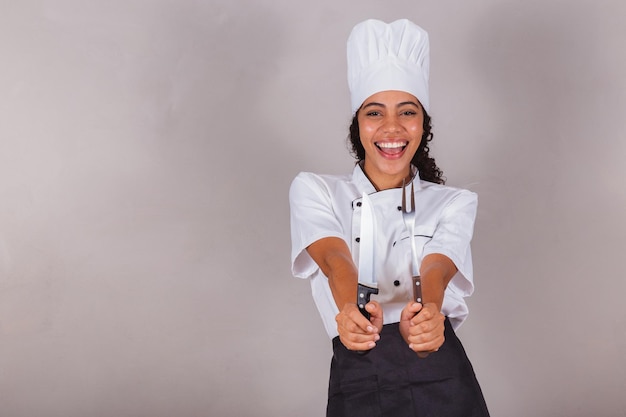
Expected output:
(355, 331)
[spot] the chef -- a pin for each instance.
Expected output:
(405, 360)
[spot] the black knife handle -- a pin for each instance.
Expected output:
(363, 297)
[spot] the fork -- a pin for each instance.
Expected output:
(408, 216)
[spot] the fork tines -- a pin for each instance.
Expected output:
(404, 207)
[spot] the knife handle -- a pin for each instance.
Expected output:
(417, 289)
(363, 297)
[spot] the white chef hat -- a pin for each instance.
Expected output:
(383, 57)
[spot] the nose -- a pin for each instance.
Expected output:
(391, 124)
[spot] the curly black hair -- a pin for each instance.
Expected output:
(428, 169)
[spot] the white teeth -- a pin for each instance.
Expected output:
(392, 145)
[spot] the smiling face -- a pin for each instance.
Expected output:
(390, 128)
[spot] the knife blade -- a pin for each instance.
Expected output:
(368, 284)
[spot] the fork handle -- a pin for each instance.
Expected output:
(417, 296)
(417, 289)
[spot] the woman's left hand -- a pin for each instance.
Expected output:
(423, 331)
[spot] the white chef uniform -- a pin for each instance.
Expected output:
(329, 206)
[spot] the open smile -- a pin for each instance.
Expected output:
(392, 148)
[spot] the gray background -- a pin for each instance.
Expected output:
(146, 150)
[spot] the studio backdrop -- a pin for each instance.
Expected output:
(146, 152)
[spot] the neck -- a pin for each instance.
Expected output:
(386, 182)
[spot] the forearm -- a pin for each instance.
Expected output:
(343, 281)
(436, 272)
(355, 331)
(333, 257)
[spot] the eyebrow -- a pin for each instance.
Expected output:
(398, 105)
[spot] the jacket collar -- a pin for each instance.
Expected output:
(363, 183)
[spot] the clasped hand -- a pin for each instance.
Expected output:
(422, 332)
(355, 331)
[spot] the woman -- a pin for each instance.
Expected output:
(414, 364)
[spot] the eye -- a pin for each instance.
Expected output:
(409, 113)
(373, 113)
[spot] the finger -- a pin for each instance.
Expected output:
(359, 339)
(428, 346)
(374, 308)
(428, 312)
(426, 337)
(428, 329)
(353, 341)
(357, 347)
(352, 320)
(346, 324)
(410, 310)
(365, 325)
(376, 316)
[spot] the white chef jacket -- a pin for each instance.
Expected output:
(329, 206)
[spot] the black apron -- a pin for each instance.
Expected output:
(392, 381)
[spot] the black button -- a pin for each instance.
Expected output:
(358, 204)
(399, 208)
(396, 283)
(358, 239)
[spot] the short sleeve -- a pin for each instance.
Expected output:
(452, 238)
(312, 218)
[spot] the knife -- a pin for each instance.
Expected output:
(367, 280)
